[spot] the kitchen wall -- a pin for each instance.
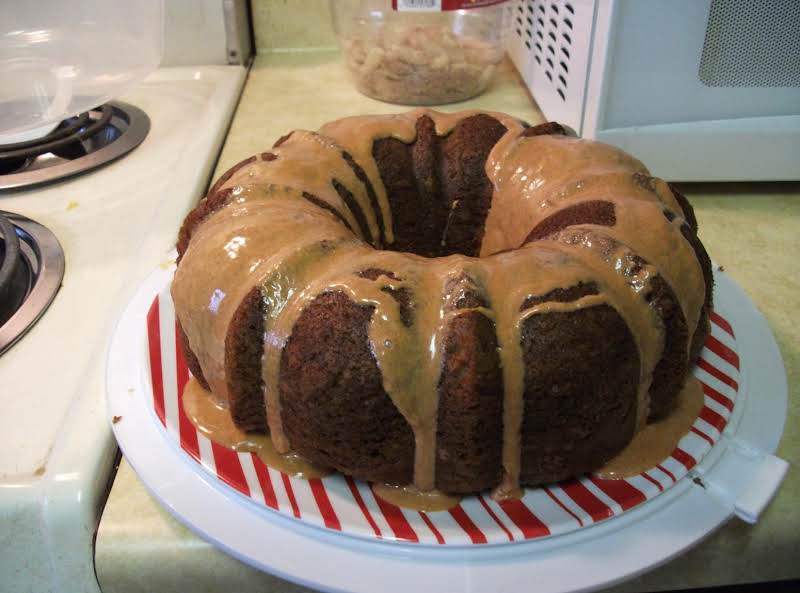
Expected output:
(208, 32)
(282, 25)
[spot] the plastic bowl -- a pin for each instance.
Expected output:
(58, 59)
(418, 58)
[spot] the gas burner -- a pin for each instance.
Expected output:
(77, 145)
(31, 269)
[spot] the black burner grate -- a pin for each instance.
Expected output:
(65, 141)
(78, 144)
(31, 269)
(14, 271)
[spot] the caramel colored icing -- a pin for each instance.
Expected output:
(272, 238)
(529, 175)
(230, 254)
(630, 285)
(214, 421)
(410, 497)
(307, 161)
(656, 441)
(535, 176)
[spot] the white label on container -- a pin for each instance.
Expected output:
(441, 5)
(419, 5)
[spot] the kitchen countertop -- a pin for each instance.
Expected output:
(751, 229)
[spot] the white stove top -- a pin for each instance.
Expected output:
(115, 224)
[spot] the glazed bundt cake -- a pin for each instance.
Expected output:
(454, 301)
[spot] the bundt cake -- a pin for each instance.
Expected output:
(455, 301)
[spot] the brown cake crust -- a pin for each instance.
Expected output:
(334, 408)
(470, 413)
(545, 129)
(467, 189)
(575, 418)
(704, 325)
(670, 371)
(414, 216)
(686, 206)
(592, 212)
(243, 352)
(440, 195)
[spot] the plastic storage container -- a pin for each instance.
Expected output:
(402, 54)
(60, 58)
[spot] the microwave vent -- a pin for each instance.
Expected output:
(752, 44)
(546, 28)
(549, 41)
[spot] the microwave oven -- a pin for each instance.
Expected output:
(700, 90)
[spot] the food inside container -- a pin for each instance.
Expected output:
(418, 58)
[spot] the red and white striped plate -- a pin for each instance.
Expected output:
(350, 507)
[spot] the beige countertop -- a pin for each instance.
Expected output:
(751, 229)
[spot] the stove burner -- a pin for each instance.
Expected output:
(77, 145)
(31, 270)
(14, 283)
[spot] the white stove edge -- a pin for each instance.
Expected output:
(49, 514)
